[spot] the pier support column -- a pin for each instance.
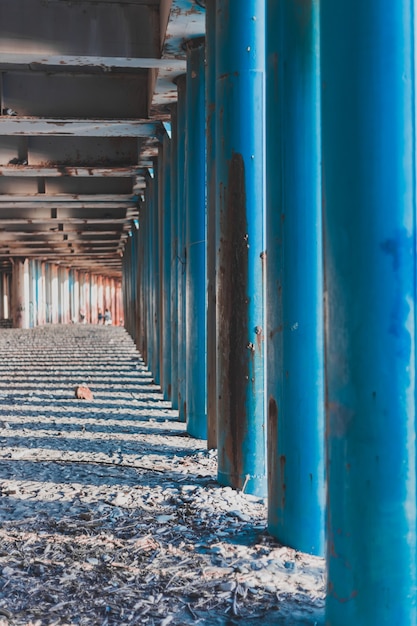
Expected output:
(165, 263)
(174, 258)
(240, 160)
(211, 223)
(195, 321)
(295, 362)
(20, 293)
(182, 263)
(156, 276)
(369, 198)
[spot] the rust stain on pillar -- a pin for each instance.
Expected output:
(233, 316)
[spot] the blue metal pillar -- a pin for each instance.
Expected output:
(132, 304)
(195, 290)
(174, 257)
(145, 294)
(165, 290)
(139, 278)
(181, 128)
(295, 361)
(156, 276)
(240, 71)
(148, 292)
(369, 197)
(211, 223)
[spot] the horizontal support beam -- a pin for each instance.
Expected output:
(79, 172)
(67, 220)
(96, 199)
(74, 230)
(105, 206)
(58, 236)
(85, 64)
(41, 127)
(150, 3)
(65, 250)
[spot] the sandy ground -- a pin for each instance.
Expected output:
(111, 514)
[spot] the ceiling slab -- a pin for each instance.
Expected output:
(85, 87)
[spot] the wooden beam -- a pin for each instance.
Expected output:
(74, 230)
(55, 221)
(85, 64)
(104, 206)
(96, 199)
(43, 127)
(79, 172)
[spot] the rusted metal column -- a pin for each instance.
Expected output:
(240, 71)
(174, 258)
(87, 287)
(369, 198)
(127, 281)
(54, 294)
(76, 293)
(64, 300)
(140, 284)
(150, 287)
(196, 277)
(100, 296)
(165, 258)
(20, 293)
(6, 295)
(107, 295)
(211, 223)
(48, 276)
(93, 298)
(119, 306)
(182, 262)
(145, 255)
(295, 380)
(156, 277)
(41, 293)
(2, 284)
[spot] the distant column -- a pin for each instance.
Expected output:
(195, 244)
(165, 263)
(174, 258)
(182, 263)
(20, 293)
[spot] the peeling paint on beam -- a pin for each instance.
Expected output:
(68, 220)
(84, 64)
(107, 199)
(104, 206)
(18, 126)
(186, 21)
(80, 172)
(63, 197)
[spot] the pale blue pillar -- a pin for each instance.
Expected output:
(369, 202)
(295, 380)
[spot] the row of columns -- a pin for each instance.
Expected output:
(45, 293)
(273, 279)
